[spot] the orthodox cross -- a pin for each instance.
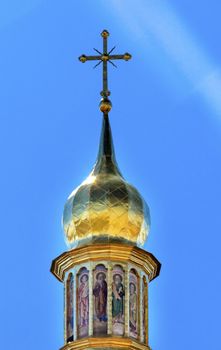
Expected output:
(105, 57)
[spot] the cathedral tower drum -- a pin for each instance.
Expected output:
(105, 272)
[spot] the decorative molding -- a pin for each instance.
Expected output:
(111, 252)
(105, 343)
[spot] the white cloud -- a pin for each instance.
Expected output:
(145, 18)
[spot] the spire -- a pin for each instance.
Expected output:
(106, 148)
(106, 160)
(105, 207)
(105, 272)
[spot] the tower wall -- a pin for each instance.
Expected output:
(106, 296)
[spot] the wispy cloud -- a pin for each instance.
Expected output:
(145, 18)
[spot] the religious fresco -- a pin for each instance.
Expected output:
(100, 300)
(83, 302)
(118, 295)
(144, 310)
(69, 308)
(133, 304)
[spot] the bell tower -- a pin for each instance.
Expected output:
(105, 272)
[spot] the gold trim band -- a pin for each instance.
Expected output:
(105, 343)
(110, 252)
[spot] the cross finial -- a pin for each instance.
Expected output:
(105, 57)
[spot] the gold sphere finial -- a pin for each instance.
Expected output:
(127, 56)
(105, 33)
(105, 105)
(82, 58)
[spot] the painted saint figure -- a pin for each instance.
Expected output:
(100, 294)
(117, 298)
(133, 309)
(83, 305)
(69, 312)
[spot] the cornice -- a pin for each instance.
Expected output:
(110, 252)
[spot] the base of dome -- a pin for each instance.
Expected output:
(102, 239)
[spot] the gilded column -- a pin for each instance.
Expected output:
(75, 308)
(127, 300)
(91, 299)
(65, 311)
(141, 305)
(147, 311)
(109, 298)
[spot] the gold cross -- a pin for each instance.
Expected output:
(105, 57)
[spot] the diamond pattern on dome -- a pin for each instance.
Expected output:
(105, 207)
(113, 209)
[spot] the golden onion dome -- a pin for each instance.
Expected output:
(105, 208)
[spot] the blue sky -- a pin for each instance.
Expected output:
(166, 122)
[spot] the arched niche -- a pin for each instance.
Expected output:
(118, 300)
(82, 302)
(134, 304)
(145, 309)
(69, 307)
(100, 316)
